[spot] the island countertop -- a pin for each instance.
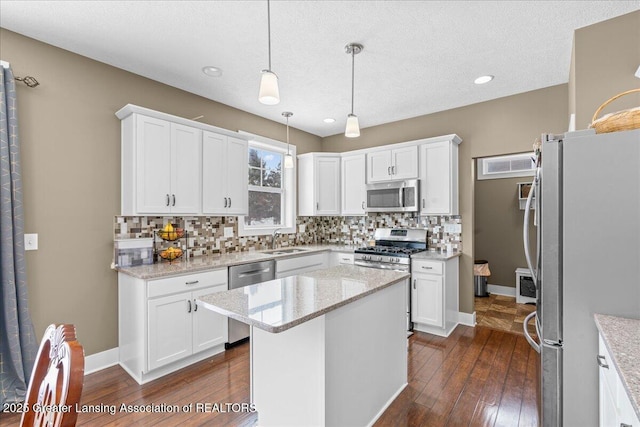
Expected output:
(278, 305)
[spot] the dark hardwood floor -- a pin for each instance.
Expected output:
(475, 377)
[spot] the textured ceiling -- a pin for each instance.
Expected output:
(419, 57)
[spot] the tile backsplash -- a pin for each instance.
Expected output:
(207, 234)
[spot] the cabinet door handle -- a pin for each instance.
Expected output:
(167, 199)
(601, 362)
(174, 200)
(317, 205)
(195, 305)
(363, 205)
(193, 282)
(414, 283)
(393, 170)
(389, 170)
(225, 202)
(229, 201)
(423, 203)
(189, 302)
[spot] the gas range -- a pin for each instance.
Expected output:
(393, 249)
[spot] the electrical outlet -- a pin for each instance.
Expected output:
(302, 228)
(228, 232)
(30, 242)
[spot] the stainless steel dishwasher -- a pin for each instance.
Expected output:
(239, 277)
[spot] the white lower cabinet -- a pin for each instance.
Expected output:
(615, 406)
(301, 264)
(162, 328)
(434, 295)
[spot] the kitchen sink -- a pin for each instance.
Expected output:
(283, 251)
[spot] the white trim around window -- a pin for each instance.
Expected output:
(289, 188)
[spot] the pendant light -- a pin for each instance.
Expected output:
(353, 128)
(269, 92)
(288, 158)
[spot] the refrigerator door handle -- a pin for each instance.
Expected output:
(530, 340)
(525, 229)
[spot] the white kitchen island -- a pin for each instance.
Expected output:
(327, 348)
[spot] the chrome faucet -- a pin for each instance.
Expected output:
(276, 233)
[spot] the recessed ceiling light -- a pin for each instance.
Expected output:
(483, 79)
(212, 71)
(329, 120)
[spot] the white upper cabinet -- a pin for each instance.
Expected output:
(354, 189)
(439, 178)
(224, 174)
(161, 171)
(319, 184)
(392, 164)
(171, 165)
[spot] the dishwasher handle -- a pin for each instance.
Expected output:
(253, 272)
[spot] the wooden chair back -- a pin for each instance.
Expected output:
(56, 381)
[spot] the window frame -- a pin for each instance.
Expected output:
(289, 192)
(483, 174)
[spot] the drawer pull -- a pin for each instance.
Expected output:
(193, 282)
(189, 303)
(427, 268)
(601, 362)
(345, 259)
(625, 425)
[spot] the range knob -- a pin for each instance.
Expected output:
(379, 258)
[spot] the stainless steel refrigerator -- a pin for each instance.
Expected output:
(587, 260)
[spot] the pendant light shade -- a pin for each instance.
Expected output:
(288, 158)
(269, 92)
(352, 129)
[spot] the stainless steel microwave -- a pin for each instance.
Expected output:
(394, 196)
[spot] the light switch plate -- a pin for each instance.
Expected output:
(30, 242)
(228, 232)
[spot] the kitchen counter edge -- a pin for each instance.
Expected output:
(622, 338)
(214, 262)
(349, 271)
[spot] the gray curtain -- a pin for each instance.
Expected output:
(18, 344)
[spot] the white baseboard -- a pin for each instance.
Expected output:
(99, 361)
(502, 290)
(468, 319)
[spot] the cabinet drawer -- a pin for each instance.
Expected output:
(345, 258)
(429, 267)
(185, 283)
(306, 262)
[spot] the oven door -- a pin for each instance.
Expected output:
(398, 196)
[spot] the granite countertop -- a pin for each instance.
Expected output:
(278, 305)
(436, 256)
(622, 338)
(204, 263)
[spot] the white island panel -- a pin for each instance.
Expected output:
(342, 368)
